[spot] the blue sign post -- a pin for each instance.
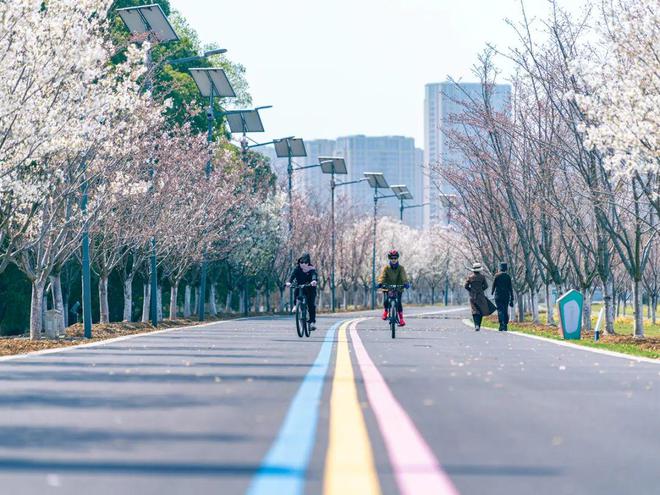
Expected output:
(570, 313)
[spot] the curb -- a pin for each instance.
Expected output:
(55, 350)
(630, 357)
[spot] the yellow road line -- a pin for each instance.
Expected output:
(349, 464)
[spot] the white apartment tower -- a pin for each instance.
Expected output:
(442, 100)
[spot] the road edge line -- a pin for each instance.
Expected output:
(439, 312)
(111, 340)
(631, 357)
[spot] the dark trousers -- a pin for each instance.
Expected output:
(477, 319)
(310, 293)
(502, 313)
(386, 302)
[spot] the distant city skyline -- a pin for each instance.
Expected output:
(396, 156)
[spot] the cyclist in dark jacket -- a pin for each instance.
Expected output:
(305, 273)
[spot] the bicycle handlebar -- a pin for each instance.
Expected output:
(301, 286)
(392, 287)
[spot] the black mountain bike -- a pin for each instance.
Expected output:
(302, 327)
(393, 296)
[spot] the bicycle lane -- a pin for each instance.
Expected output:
(358, 447)
(284, 468)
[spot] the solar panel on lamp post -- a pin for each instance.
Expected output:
(403, 193)
(376, 181)
(148, 20)
(333, 166)
(210, 82)
(244, 121)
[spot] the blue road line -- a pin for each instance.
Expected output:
(283, 469)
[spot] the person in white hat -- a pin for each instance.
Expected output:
(476, 285)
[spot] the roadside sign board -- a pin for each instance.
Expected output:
(570, 314)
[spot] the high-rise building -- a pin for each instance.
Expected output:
(395, 156)
(312, 182)
(441, 101)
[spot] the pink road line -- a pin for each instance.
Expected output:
(416, 470)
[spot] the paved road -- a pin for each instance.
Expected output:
(247, 407)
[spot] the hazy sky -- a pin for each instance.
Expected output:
(339, 67)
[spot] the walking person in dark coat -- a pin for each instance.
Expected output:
(476, 285)
(503, 291)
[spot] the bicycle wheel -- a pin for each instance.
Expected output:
(301, 323)
(393, 320)
(304, 317)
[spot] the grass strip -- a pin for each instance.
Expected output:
(648, 347)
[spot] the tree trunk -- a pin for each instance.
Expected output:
(195, 306)
(550, 304)
(174, 294)
(186, 302)
(282, 304)
(213, 305)
(344, 298)
(618, 305)
(230, 294)
(58, 302)
(586, 309)
(521, 308)
(159, 303)
(638, 309)
(534, 304)
(320, 300)
(146, 290)
(241, 301)
(104, 311)
(128, 299)
(654, 302)
(36, 308)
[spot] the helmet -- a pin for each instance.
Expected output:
(392, 254)
(305, 258)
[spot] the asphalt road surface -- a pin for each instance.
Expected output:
(246, 406)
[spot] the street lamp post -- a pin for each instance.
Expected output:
(376, 181)
(210, 82)
(149, 20)
(290, 148)
(447, 282)
(244, 121)
(334, 166)
(86, 276)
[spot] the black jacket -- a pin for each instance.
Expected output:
(502, 288)
(301, 277)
